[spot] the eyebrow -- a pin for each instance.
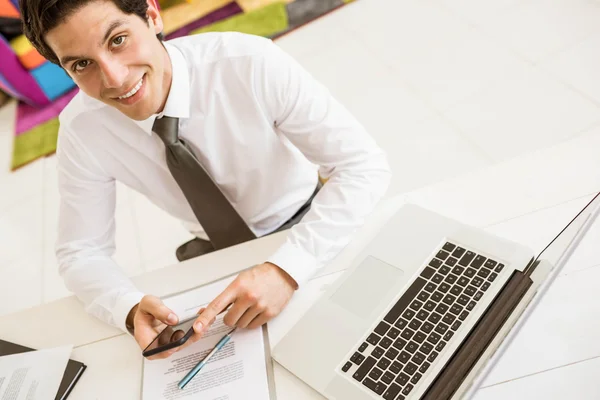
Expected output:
(114, 25)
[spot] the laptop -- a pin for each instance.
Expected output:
(424, 311)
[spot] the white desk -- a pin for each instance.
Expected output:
(555, 356)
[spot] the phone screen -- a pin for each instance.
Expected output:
(170, 337)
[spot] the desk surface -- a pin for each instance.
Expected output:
(528, 199)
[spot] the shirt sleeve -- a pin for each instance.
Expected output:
(356, 169)
(86, 235)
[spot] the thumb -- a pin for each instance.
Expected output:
(154, 306)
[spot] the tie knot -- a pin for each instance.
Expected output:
(167, 129)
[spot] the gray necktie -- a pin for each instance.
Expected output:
(220, 220)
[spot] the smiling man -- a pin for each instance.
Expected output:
(224, 131)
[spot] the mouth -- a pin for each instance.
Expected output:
(134, 94)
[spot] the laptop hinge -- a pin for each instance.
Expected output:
(475, 344)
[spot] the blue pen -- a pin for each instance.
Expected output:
(186, 379)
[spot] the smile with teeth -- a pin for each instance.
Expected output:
(132, 91)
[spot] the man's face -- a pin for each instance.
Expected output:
(114, 57)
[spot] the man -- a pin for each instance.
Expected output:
(255, 121)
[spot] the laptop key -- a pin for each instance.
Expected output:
(415, 378)
(410, 368)
(448, 319)
(440, 346)
(432, 356)
(441, 328)
(407, 334)
(451, 261)
(420, 337)
(442, 308)
(401, 323)
(426, 348)
(427, 272)
(458, 252)
(477, 281)
(346, 366)
(478, 261)
(391, 353)
(427, 327)
(470, 272)
(357, 358)
(434, 318)
(430, 287)
(458, 270)
(373, 339)
(387, 377)
(418, 358)
(478, 295)
(386, 342)
(377, 352)
(396, 367)
(485, 286)
(448, 335)
(399, 344)
(434, 338)
(490, 264)
(451, 279)
(411, 347)
(382, 328)
(423, 296)
(363, 347)
(462, 281)
(463, 315)
(470, 290)
(492, 277)
(392, 392)
(471, 306)
(408, 314)
(449, 299)
(442, 255)
(404, 301)
(415, 305)
(402, 379)
(437, 278)
(384, 363)
(444, 270)
(375, 373)
(377, 387)
(499, 267)
(456, 309)
(435, 263)
(456, 290)
(393, 333)
(424, 367)
(414, 324)
(449, 247)
(429, 306)
(437, 297)
(365, 367)
(404, 357)
(456, 325)
(407, 389)
(466, 258)
(463, 300)
(483, 272)
(444, 287)
(422, 315)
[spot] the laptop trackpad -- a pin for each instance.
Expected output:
(362, 291)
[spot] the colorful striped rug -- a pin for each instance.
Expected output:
(37, 129)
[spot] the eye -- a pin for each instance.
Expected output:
(118, 41)
(81, 65)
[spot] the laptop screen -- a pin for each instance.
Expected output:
(558, 251)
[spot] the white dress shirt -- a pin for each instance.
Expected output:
(261, 126)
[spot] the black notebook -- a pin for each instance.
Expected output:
(72, 372)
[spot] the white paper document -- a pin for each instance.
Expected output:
(237, 372)
(33, 375)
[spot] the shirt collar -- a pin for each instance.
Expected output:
(178, 100)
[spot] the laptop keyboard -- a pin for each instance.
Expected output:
(410, 337)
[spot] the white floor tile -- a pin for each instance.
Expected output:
(578, 66)
(577, 381)
(539, 28)
(558, 332)
(524, 112)
(21, 283)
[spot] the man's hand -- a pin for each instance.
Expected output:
(149, 317)
(256, 296)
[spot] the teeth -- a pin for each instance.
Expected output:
(133, 91)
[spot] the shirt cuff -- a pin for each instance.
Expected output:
(298, 263)
(124, 304)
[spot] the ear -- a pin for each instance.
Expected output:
(154, 16)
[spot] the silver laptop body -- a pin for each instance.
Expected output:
(421, 311)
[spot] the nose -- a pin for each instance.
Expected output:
(114, 74)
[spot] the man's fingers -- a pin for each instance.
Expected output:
(260, 320)
(215, 307)
(154, 306)
(248, 317)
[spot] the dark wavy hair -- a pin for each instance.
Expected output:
(41, 16)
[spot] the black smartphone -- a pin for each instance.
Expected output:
(170, 337)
